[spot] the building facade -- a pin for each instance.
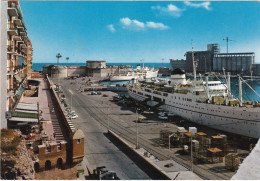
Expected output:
(255, 69)
(16, 57)
(236, 63)
(203, 59)
(177, 64)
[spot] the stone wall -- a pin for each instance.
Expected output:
(51, 156)
(81, 70)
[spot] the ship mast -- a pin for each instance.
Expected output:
(240, 91)
(193, 62)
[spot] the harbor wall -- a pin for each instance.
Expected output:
(69, 135)
(157, 172)
(81, 70)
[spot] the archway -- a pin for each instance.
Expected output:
(48, 165)
(59, 163)
(36, 167)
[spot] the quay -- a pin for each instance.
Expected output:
(121, 119)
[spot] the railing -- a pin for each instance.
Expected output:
(10, 48)
(12, 26)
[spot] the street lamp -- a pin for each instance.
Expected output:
(107, 120)
(170, 141)
(71, 93)
(58, 57)
(191, 156)
(137, 118)
(67, 58)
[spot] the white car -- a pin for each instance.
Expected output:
(73, 116)
(163, 117)
(171, 114)
(161, 113)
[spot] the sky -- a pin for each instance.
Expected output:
(129, 31)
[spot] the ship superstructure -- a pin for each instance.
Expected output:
(138, 73)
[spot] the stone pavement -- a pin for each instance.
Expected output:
(48, 111)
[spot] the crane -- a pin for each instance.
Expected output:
(227, 40)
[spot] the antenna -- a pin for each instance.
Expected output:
(162, 61)
(227, 40)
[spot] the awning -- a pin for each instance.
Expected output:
(18, 78)
(25, 115)
(27, 107)
(18, 119)
(27, 111)
(27, 104)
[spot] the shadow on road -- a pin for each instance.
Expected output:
(129, 153)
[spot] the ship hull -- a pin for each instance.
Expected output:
(238, 120)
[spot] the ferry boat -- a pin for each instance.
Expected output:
(205, 102)
(138, 73)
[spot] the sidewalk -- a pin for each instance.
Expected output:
(48, 111)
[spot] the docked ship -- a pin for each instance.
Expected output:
(204, 102)
(138, 73)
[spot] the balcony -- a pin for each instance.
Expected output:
(18, 38)
(21, 28)
(17, 21)
(12, 9)
(12, 30)
(10, 92)
(10, 49)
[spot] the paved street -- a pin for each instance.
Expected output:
(98, 148)
(94, 113)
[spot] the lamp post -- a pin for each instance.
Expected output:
(170, 141)
(137, 118)
(71, 93)
(107, 121)
(191, 156)
(58, 57)
(67, 58)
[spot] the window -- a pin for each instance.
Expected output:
(78, 141)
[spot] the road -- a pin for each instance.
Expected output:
(99, 112)
(100, 151)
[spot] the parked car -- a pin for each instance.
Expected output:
(100, 170)
(93, 93)
(170, 114)
(109, 176)
(163, 117)
(31, 135)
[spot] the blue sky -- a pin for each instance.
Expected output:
(130, 31)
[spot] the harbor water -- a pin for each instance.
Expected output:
(248, 94)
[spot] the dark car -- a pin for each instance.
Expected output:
(100, 170)
(109, 176)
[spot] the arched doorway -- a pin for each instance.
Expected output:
(48, 165)
(36, 167)
(59, 163)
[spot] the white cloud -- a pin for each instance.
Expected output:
(169, 10)
(154, 25)
(126, 21)
(138, 25)
(111, 28)
(198, 5)
(132, 24)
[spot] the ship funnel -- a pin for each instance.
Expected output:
(178, 77)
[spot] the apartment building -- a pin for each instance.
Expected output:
(16, 58)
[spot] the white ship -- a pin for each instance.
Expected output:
(138, 73)
(208, 103)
